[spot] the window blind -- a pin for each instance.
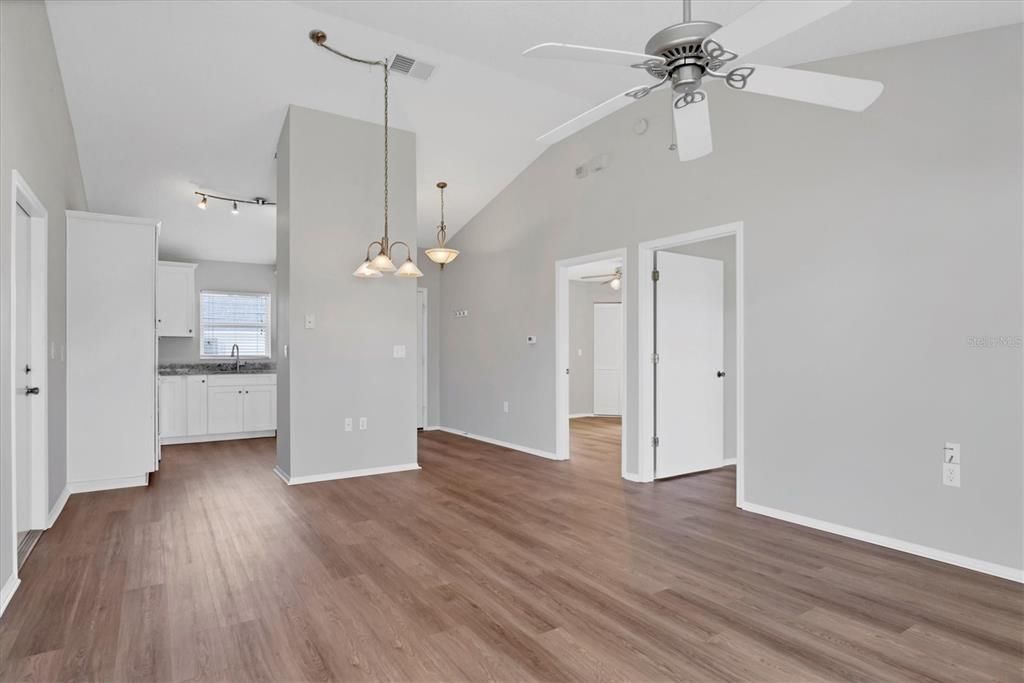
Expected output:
(228, 318)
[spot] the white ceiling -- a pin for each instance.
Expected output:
(169, 97)
(604, 267)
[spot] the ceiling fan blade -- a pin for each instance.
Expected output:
(828, 90)
(596, 277)
(693, 130)
(770, 20)
(586, 118)
(584, 53)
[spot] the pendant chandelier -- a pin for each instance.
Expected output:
(441, 254)
(379, 252)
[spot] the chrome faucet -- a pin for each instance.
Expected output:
(237, 355)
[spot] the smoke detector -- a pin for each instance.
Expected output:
(411, 66)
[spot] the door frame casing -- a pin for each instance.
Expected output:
(424, 353)
(562, 445)
(22, 195)
(645, 346)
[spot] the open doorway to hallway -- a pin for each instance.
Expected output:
(591, 352)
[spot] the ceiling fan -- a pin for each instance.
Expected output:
(613, 280)
(684, 54)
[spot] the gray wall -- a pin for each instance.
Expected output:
(724, 249)
(228, 277)
(582, 297)
(431, 281)
(37, 140)
(875, 245)
(329, 172)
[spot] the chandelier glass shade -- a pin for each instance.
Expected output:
(442, 254)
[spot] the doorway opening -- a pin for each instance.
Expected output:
(591, 358)
(691, 354)
(28, 372)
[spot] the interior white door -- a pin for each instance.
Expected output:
(608, 359)
(22, 368)
(689, 333)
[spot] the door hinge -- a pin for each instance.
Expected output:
(655, 275)
(655, 358)
(655, 441)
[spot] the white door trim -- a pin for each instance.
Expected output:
(22, 195)
(562, 350)
(645, 344)
(425, 335)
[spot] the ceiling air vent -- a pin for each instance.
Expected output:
(411, 67)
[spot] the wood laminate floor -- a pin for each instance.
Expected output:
(485, 565)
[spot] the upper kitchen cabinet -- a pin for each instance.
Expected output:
(176, 299)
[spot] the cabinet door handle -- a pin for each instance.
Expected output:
(239, 391)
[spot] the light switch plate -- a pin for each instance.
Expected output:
(310, 321)
(504, 406)
(531, 339)
(348, 424)
(399, 351)
(362, 423)
(951, 453)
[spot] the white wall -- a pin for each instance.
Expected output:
(222, 276)
(582, 297)
(876, 245)
(37, 140)
(330, 172)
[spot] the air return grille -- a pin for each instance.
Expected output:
(411, 67)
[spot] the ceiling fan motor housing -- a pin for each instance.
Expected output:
(681, 47)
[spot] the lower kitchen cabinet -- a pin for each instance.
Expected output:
(197, 406)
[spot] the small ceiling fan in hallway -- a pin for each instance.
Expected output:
(613, 280)
(682, 55)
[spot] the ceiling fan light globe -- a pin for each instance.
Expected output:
(382, 264)
(442, 255)
(616, 284)
(409, 269)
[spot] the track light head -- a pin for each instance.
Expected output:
(202, 203)
(234, 208)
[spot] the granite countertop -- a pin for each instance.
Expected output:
(250, 367)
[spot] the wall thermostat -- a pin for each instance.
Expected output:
(531, 339)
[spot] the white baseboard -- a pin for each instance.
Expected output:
(7, 592)
(348, 474)
(432, 428)
(58, 507)
(203, 438)
(573, 416)
(728, 461)
(503, 444)
(107, 484)
(630, 476)
(982, 566)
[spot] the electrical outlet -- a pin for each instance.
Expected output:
(504, 406)
(362, 423)
(310, 321)
(951, 453)
(951, 475)
(348, 424)
(399, 351)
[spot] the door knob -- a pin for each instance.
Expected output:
(31, 390)
(721, 373)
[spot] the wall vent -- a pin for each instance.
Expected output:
(411, 67)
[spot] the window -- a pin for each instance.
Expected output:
(228, 318)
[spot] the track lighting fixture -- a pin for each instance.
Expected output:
(258, 201)
(382, 262)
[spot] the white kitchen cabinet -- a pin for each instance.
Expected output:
(196, 405)
(259, 411)
(172, 399)
(176, 299)
(226, 406)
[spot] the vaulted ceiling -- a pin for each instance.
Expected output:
(170, 97)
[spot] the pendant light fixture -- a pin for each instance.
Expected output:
(441, 254)
(382, 261)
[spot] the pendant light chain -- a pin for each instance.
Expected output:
(373, 266)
